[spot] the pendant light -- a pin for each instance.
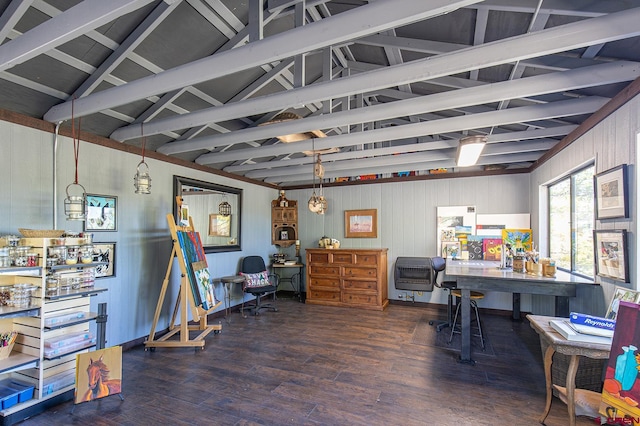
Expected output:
(142, 180)
(317, 203)
(224, 208)
(74, 205)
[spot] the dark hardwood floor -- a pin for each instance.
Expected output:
(316, 365)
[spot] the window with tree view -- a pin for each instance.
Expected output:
(571, 219)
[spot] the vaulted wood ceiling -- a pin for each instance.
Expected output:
(392, 84)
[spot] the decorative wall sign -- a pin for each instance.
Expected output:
(361, 223)
(611, 193)
(612, 259)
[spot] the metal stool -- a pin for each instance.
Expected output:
(475, 295)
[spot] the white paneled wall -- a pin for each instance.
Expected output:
(407, 218)
(143, 243)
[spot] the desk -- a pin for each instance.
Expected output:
(574, 349)
(487, 276)
(278, 268)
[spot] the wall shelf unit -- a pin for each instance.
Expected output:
(284, 222)
(28, 362)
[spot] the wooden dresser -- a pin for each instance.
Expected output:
(347, 277)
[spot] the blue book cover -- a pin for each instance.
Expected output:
(592, 321)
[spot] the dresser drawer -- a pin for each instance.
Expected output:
(315, 282)
(359, 298)
(324, 295)
(354, 271)
(366, 259)
(342, 258)
(324, 270)
(371, 286)
(322, 257)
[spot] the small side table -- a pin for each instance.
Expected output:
(228, 282)
(574, 349)
(296, 277)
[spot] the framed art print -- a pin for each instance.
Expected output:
(361, 223)
(611, 257)
(101, 213)
(611, 193)
(105, 252)
(219, 225)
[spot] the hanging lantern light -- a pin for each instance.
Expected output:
(142, 179)
(317, 203)
(224, 208)
(75, 205)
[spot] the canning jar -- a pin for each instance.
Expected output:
(21, 255)
(5, 295)
(72, 255)
(86, 253)
(52, 285)
(59, 253)
(5, 259)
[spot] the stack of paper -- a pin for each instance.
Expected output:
(589, 324)
(567, 330)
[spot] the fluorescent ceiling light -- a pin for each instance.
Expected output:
(469, 150)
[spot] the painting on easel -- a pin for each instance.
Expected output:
(194, 257)
(98, 374)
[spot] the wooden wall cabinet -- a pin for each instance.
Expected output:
(347, 277)
(284, 223)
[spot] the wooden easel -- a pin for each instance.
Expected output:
(184, 302)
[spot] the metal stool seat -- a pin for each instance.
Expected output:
(475, 295)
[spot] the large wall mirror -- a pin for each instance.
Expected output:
(215, 211)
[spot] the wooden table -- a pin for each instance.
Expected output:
(482, 276)
(557, 343)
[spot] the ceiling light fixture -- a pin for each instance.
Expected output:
(317, 203)
(142, 180)
(469, 150)
(283, 117)
(224, 208)
(75, 205)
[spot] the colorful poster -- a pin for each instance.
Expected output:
(621, 389)
(98, 374)
(518, 238)
(492, 248)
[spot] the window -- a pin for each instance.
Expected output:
(571, 220)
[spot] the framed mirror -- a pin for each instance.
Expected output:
(214, 209)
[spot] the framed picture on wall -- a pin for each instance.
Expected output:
(611, 257)
(101, 212)
(611, 193)
(105, 252)
(219, 225)
(361, 223)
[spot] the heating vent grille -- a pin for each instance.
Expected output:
(413, 274)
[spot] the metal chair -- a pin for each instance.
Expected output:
(258, 282)
(475, 295)
(439, 265)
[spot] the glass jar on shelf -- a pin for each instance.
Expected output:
(58, 253)
(72, 255)
(86, 253)
(5, 295)
(5, 258)
(21, 255)
(52, 286)
(88, 277)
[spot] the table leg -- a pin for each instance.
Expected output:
(571, 388)
(465, 350)
(562, 306)
(548, 360)
(227, 302)
(516, 306)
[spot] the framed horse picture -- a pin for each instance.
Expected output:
(98, 374)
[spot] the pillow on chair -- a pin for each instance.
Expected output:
(260, 279)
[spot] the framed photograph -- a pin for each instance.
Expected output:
(101, 213)
(611, 257)
(219, 225)
(451, 249)
(361, 223)
(284, 235)
(611, 193)
(105, 252)
(621, 294)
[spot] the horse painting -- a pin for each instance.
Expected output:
(99, 383)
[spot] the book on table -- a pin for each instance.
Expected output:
(563, 326)
(595, 331)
